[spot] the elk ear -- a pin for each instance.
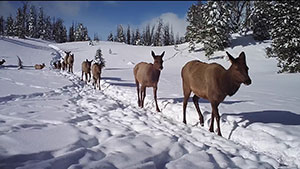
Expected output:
(242, 56)
(230, 57)
(162, 55)
(153, 54)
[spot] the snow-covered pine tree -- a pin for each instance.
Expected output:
(166, 35)
(285, 34)
(72, 33)
(25, 15)
(60, 32)
(137, 39)
(110, 37)
(133, 38)
(260, 20)
(32, 22)
(1, 26)
(128, 35)
(48, 29)
(79, 32)
(120, 34)
(19, 24)
(9, 26)
(99, 57)
(41, 24)
(217, 27)
(172, 39)
(158, 33)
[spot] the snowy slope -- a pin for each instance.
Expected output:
(51, 119)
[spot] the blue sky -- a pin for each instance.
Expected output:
(102, 17)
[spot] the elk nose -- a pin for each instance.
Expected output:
(248, 82)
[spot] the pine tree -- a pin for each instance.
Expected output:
(9, 27)
(41, 24)
(48, 29)
(158, 33)
(19, 24)
(166, 35)
(1, 26)
(25, 17)
(217, 29)
(147, 36)
(110, 37)
(137, 39)
(133, 38)
(120, 34)
(285, 34)
(260, 20)
(128, 39)
(98, 57)
(72, 33)
(172, 39)
(32, 22)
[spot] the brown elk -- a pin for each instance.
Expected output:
(147, 74)
(38, 66)
(2, 62)
(70, 63)
(214, 83)
(57, 65)
(96, 71)
(86, 69)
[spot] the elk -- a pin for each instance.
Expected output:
(2, 62)
(70, 63)
(38, 66)
(213, 82)
(147, 74)
(57, 65)
(96, 71)
(86, 69)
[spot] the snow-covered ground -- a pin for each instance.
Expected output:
(51, 119)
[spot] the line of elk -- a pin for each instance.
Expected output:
(208, 81)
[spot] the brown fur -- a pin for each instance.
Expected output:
(57, 65)
(2, 62)
(147, 74)
(38, 66)
(70, 63)
(214, 83)
(96, 71)
(86, 69)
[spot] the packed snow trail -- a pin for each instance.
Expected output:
(65, 123)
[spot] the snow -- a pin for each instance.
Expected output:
(51, 119)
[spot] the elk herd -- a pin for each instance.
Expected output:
(208, 81)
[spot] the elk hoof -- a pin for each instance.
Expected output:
(157, 110)
(184, 121)
(202, 124)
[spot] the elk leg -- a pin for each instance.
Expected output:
(215, 113)
(195, 100)
(89, 77)
(186, 93)
(143, 95)
(99, 84)
(138, 92)
(82, 76)
(155, 98)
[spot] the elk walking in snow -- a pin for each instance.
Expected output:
(38, 66)
(214, 83)
(86, 70)
(96, 71)
(147, 74)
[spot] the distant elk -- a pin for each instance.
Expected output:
(96, 71)
(86, 70)
(68, 61)
(147, 74)
(214, 83)
(38, 66)
(2, 62)
(57, 65)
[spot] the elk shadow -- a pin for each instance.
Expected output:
(201, 100)
(268, 116)
(282, 117)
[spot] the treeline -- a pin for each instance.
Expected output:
(156, 35)
(212, 23)
(35, 23)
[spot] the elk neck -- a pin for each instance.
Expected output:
(232, 84)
